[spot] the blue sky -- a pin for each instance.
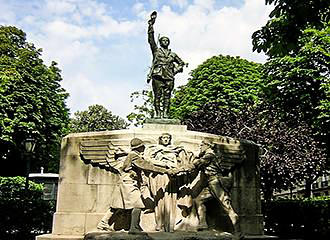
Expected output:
(101, 45)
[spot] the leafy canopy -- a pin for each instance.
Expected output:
(299, 84)
(142, 110)
(96, 118)
(287, 22)
(289, 155)
(229, 81)
(31, 101)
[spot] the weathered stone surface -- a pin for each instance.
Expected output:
(163, 121)
(58, 237)
(204, 235)
(84, 190)
(153, 235)
(165, 127)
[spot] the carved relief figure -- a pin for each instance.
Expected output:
(165, 65)
(212, 184)
(131, 185)
(163, 188)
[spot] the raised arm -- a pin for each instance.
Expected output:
(151, 37)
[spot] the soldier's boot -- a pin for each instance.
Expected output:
(157, 108)
(237, 230)
(135, 227)
(166, 107)
(104, 223)
(201, 209)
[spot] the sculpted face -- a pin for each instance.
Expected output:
(164, 42)
(203, 147)
(165, 140)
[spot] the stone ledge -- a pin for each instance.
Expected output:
(163, 121)
(59, 237)
(204, 235)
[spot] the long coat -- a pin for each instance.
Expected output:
(128, 194)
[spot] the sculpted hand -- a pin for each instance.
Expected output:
(153, 17)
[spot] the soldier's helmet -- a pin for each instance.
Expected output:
(136, 143)
(208, 143)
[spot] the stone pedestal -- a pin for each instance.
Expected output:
(84, 190)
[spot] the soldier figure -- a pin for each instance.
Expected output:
(165, 65)
(130, 187)
(213, 185)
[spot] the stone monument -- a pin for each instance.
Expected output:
(160, 181)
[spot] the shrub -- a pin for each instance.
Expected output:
(302, 218)
(23, 213)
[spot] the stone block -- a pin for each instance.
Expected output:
(252, 225)
(104, 194)
(92, 219)
(59, 237)
(73, 170)
(76, 198)
(164, 127)
(69, 223)
(100, 176)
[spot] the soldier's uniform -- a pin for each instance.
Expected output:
(213, 184)
(165, 65)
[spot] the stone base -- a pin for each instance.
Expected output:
(59, 237)
(204, 235)
(163, 121)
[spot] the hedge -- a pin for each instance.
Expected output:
(24, 214)
(304, 218)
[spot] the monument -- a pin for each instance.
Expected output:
(165, 65)
(160, 181)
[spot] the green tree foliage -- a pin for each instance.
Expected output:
(24, 213)
(31, 101)
(144, 109)
(308, 218)
(299, 84)
(287, 22)
(96, 118)
(289, 155)
(230, 81)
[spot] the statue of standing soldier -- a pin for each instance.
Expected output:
(165, 65)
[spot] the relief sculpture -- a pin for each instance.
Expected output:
(168, 180)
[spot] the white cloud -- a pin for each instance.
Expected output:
(94, 49)
(203, 31)
(60, 6)
(207, 4)
(84, 92)
(180, 3)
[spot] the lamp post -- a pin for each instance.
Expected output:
(29, 145)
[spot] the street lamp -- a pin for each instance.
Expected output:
(29, 145)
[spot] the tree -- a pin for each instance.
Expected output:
(296, 39)
(230, 81)
(144, 109)
(32, 101)
(96, 118)
(289, 155)
(299, 84)
(288, 20)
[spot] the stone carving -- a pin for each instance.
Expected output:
(165, 65)
(176, 180)
(164, 188)
(131, 186)
(213, 183)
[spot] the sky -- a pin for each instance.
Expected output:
(101, 45)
